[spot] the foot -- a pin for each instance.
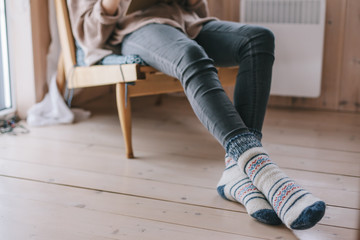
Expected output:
(236, 186)
(296, 207)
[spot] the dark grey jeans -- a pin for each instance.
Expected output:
(193, 62)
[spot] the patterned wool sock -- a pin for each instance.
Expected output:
(296, 207)
(236, 186)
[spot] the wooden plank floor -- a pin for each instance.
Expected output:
(73, 181)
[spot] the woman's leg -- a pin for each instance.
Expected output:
(252, 49)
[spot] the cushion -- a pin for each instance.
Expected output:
(112, 59)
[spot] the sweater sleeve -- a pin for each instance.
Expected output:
(200, 8)
(91, 26)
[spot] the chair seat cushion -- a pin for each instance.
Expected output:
(113, 59)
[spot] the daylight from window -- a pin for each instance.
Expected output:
(5, 89)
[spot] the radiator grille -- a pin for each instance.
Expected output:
(282, 11)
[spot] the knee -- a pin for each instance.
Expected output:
(192, 60)
(262, 39)
(191, 53)
(268, 38)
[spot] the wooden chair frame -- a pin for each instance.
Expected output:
(148, 81)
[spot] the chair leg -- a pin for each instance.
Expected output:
(124, 111)
(60, 77)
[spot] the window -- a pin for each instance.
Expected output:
(6, 97)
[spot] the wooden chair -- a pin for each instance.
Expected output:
(145, 80)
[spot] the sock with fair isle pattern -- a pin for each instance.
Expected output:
(235, 185)
(296, 207)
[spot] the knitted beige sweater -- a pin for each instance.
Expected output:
(98, 33)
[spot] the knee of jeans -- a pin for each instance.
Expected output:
(193, 60)
(268, 37)
(261, 39)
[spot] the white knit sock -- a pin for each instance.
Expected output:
(235, 185)
(295, 206)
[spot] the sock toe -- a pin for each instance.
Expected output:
(309, 216)
(267, 216)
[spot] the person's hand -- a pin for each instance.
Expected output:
(110, 6)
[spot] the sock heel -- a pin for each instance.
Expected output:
(220, 190)
(267, 216)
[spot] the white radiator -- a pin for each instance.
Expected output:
(299, 27)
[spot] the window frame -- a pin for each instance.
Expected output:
(9, 93)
